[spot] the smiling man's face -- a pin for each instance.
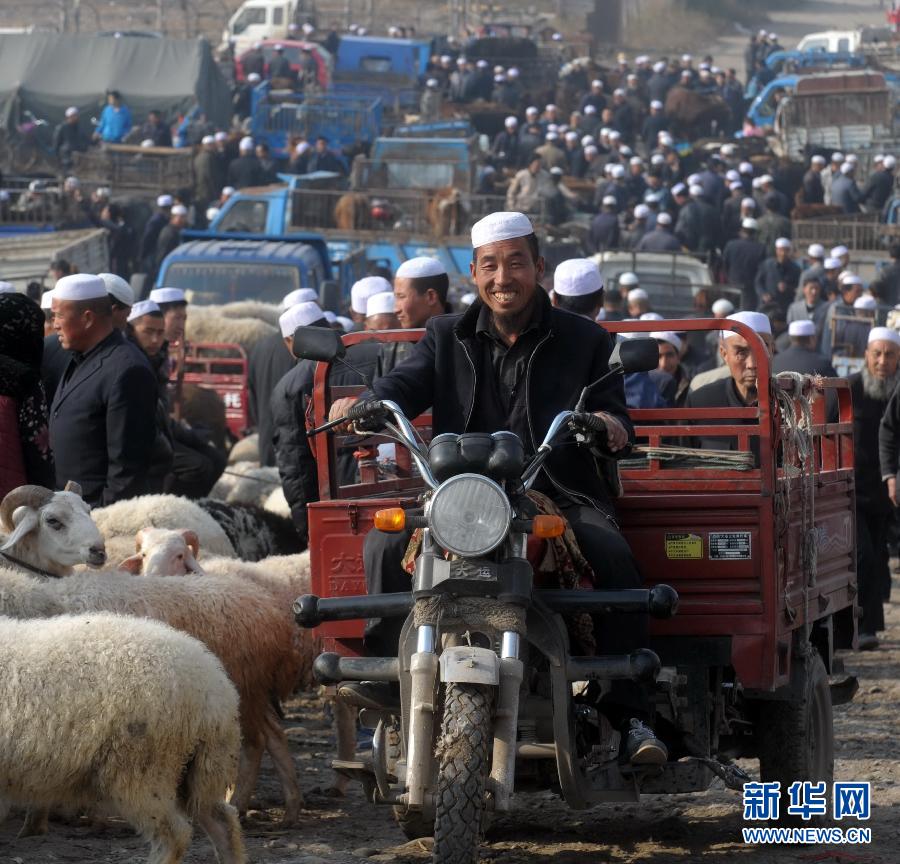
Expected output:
(507, 276)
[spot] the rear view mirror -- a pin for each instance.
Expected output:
(318, 343)
(634, 355)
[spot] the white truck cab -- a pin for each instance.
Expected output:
(256, 20)
(831, 41)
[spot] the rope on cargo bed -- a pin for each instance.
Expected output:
(797, 444)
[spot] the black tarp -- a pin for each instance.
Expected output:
(45, 73)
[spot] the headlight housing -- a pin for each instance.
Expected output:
(469, 515)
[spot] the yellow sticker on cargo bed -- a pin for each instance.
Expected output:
(682, 547)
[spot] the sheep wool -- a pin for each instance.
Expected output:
(204, 324)
(253, 485)
(24, 597)
(246, 450)
(131, 715)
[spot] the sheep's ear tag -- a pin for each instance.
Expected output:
(72, 486)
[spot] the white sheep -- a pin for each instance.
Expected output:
(246, 483)
(243, 626)
(206, 324)
(129, 715)
(49, 532)
(286, 577)
(267, 312)
(245, 450)
(276, 503)
(24, 597)
(120, 522)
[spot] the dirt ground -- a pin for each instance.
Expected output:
(662, 829)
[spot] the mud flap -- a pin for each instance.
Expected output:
(466, 664)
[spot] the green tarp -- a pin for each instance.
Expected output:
(45, 73)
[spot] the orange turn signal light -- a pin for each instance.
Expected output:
(392, 520)
(548, 526)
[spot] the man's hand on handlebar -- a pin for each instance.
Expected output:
(616, 436)
(339, 408)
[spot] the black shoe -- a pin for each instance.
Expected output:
(377, 695)
(867, 641)
(640, 746)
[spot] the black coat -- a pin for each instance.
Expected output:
(168, 241)
(268, 363)
(571, 352)
(878, 190)
(802, 360)
(103, 422)
(888, 432)
(245, 171)
(871, 492)
(813, 190)
(719, 394)
(53, 365)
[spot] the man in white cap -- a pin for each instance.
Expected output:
(803, 355)
(506, 150)
(661, 238)
(813, 190)
(815, 258)
(875, 430)
(430, 101)
(360, 293)
(173, 304)
(742, 258)
(605, 231)
(532, 185)
(736, 387)
(121, 297)
(777, 278)
(844, 191)
(698, 225)
(638, 302)
(512, 362)
(170, 236)
(880, 188)
(154, 226)
(840, 312)
(246, 170)
(69, 138)
(831, 172)
(670, 348)
(811, 306)
(102, 424)
(578, 288)
(380, 311)
(656, 122)
(209, 175)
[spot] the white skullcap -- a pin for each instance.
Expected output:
(667, 336)
(420, 268)
(679, 189)
(614, 135)
(637, 294)
(532, 109)
(665, 139)
(832, 263)
(365, 288)
(7, 288)
(731, 175)
(591, 150)
(118, 288)
(628, 278)
(142, 308)
(551, 136)
(618, 171)
(657, 159)
(728, 149)
(749, 224)
(816, 250)
(431, 82)
(212, 213)
(148, 142)
(618, 92)
(164, 201)
(179, 210)
(755, 320)
(884, 334)
(468, 298)
(852, 158)
(302, 147)
(635, 160)
(47, 300)
(512, 72)
(596, 83)
(839, 251)
(847, 167)
(837, 157)
(696, 190)
(207, 139)
(246, 144)
(504, 225)
(641, 211)
(693, 180)
(577, 277)
(601, 315)
(659, 66)
(299, 315)
(72, 182)
(817, 160)
(346, 323)
(782, 243)
(867, 301)
(552, 127)
(746, 167)
(79, 286)
(511, 121)
(482, 64)
(890, 162)
(71, 111)
(609, 201)
(299, 295)
(748, 202)
(279, 47)
(650, 316)
(381, 303)
(664, 219)
(757, 182)
(550, 107)
(734, 185)
(656, 105)
(571, 135)
(221, 136)
(773, 36)
(802, 328)
(722, 307)
(167, 295)
(499, 77)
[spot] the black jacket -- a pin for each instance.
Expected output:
(802, 360)
(878, 190)
(719, 394)
(269, 362)
(53, 366)
(888, 432)
(571, 352)
(245, 171)
(869, 415)
(103, 422)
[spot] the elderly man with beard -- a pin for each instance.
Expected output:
(512, 361)
(876, 420)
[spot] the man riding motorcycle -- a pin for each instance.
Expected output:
(512, 362)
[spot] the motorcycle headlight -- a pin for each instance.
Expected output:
(469, 515)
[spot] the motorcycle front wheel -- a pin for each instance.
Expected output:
(464, 754)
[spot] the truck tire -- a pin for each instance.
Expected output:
(796, 738)
(463, 753)
(411, 822)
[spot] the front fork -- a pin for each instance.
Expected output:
(424, 668)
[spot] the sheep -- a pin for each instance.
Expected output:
(276, 503)
(163, 553)
(254, 533)
(243, 626)
(205, 324)
(119, 523)
(246, 483)
(267, 312)
(129, 714)
(24, 597)
(50, 532)
(245, 450)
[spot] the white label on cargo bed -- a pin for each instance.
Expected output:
(729, 546)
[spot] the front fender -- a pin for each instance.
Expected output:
(466, 664)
